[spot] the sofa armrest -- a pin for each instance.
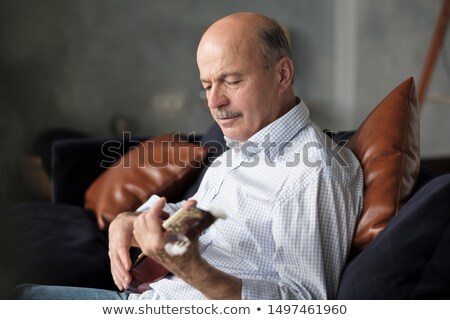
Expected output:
(76, 163)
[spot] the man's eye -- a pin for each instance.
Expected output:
(207, 88)
(233, 83)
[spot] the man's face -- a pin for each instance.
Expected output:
(242, 95)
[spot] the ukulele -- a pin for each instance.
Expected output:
(182, 227)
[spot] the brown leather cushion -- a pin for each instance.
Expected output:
(163, 165)
(387, 145)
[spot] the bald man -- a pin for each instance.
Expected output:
(292, 208)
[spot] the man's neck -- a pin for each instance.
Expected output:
(290, 101)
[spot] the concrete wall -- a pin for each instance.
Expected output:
(392, 41)
(76, 64)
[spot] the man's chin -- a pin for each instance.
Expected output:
(231, 129)
(228, 132)
(233, 134)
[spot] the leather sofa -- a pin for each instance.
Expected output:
(401, 242)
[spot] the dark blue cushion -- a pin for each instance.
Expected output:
(76, 163)
(410, 259)
(57, 244)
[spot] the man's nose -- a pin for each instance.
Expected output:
(217, 97)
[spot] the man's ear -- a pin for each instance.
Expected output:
(285, 70)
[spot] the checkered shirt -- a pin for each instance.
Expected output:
(292, 198)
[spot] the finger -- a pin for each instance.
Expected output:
(125, 259)
(159, 206)
(147, 229)
(121, 277)
(119, 247)
(152, 218)
(189, 204)
(118, 273)
(120, 260)
(120, 264)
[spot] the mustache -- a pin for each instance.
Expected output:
(224, 114)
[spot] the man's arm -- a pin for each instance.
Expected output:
(190, 266)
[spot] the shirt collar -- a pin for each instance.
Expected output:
(275, 136)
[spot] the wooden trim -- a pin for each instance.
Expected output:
(433, 50)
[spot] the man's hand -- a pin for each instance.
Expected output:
(120, 241)
(152, 238)
(190, 266)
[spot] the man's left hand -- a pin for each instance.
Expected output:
(152, 238)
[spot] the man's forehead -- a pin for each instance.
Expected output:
(227, 61)
(228, 43)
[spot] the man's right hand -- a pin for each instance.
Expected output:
(120, 241)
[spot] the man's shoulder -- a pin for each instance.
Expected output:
(313, 153)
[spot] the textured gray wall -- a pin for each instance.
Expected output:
(75, 64)
(392, 40)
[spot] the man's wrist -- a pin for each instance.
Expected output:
(214, 283)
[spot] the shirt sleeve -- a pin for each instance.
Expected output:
(312, 230)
